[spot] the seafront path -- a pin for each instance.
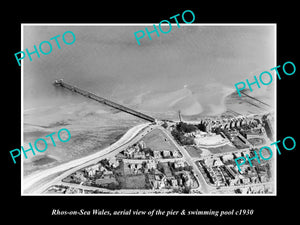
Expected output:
(36, 183)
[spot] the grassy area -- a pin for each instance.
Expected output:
(193, 151)
(257, 141)
(135, 182)
(222, 149)
(127, 181)
(157, 140)
(196, 152)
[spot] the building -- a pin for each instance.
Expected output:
(254, 180)
(238, 154)
(175, 154)
(91, 170)
(231, 172)
(157, 177)
(246, 180)
(113, 162)
(156, 154)
(227, 157)
(108, 172)
(141, 145)
(166, 154)
(218, 162)
(139, 155)
(151, 164)
(209, 161)
(129, 152)
(138, 166)
(156, 182)
(174, 183)
(179, 164)
(234, 182)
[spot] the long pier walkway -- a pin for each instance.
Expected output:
(61, 83)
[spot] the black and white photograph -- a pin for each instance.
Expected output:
(144, 114)
(160, 118)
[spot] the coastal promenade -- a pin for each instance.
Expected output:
(29, 183)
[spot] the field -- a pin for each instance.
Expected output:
(157, 140)
(196, 152)
(137, 181)
(222, 149)
(193, 151)
(134, 182)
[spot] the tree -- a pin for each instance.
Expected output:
(188, 168)
(164, 125)
(148, 150)
(201, 127)
(186, 189)
(186, 128)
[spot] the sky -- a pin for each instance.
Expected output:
(200, 62)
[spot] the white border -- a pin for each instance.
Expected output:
(150, 24)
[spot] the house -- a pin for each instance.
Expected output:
(155, 184)
(107, 172)
(209, 161)
(139, 155)
(113, 162)
(180, 182)
(233, 182)
(246, 180)
(230, 171)
(244, 190)
(218, 162)
(156, 154)
(174, 183)
(102, 168)
(129, 152)
(141, 145)
(166, 154)
(151, 164)
(158, 184)
(157, 177)
(138, 166)
(227, 157)
(179, 164)
(254, 179)
(91, 170)
(242, 167)
(131, 166)
(175, 154)
(188, 182)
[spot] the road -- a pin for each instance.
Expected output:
(124, 142)
(38, 183)
(130, 137)
(127, 140)
(203, 186)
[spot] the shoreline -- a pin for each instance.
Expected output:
(27, 182)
